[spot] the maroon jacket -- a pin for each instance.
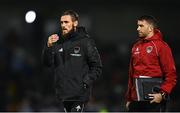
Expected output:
(151, 57)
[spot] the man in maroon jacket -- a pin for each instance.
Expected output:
(151, 57)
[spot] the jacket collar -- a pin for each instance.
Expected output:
(74, 35)
(157, 36)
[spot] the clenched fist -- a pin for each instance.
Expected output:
(52, 39)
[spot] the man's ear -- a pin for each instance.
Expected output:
(75, 23)
(151, 28)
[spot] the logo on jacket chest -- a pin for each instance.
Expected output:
(60, 50)
(149, 49)
(137, 51)
(76, 51)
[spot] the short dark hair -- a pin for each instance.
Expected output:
(150, 19)
(73, 14)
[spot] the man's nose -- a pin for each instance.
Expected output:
(138, 28)
(63, 24)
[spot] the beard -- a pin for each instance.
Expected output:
(68, 33)
(141, 35)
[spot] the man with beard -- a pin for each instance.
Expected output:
(75, 60)
(151, 59)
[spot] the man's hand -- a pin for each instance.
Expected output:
(52, 39)
(157, 98)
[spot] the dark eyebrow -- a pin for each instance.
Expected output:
(140, 25)
(64, 21)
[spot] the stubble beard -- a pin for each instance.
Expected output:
(68, 33)
(141, 35)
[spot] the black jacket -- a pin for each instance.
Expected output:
(76, 63)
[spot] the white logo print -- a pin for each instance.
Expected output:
(78, 107)
(149, 49)
(60, 50)
(137, 51)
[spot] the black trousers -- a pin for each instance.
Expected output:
(73, 106)
(146, 106)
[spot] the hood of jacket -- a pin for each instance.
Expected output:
(79, 33)
(157, 35)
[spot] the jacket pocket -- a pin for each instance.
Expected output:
(73, 86)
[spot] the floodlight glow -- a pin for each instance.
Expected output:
(30, 16)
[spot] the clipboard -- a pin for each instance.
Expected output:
(146, 85)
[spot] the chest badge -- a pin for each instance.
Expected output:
(149, 49)
(77, 49)
(76, 52)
